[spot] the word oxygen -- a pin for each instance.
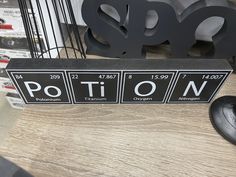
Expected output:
(117, 81)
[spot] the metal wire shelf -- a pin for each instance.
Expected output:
(51, 29)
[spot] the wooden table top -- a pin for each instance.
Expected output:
(120, 141)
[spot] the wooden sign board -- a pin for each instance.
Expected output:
(114, 81)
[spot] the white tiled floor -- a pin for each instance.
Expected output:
(8, 117)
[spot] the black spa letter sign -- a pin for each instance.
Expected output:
(126, 35)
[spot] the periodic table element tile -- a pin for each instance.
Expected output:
(197, 87)
(95, 87)
(42, 87)
(146, 87)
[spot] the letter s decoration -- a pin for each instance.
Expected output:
(126, 35)
(101, 25)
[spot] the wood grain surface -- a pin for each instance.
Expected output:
(8, 118)
(120, 141)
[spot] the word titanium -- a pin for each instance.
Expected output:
(125, 87)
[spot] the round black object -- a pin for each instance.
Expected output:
(223, 117)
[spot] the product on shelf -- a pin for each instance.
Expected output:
(9, 4)
(11, 24)
(5, 83)
(15, 101)
(4, 60)
(6, 55)
(4, 26)
(13, 43)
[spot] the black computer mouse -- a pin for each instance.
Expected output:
(223, 117)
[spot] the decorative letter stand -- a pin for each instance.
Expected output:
(47, 81)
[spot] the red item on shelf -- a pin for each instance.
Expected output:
(4, 61)
(6, 26)
(10, 87)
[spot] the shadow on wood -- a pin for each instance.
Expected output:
(9, 169)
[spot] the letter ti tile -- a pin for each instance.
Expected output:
(95, 87)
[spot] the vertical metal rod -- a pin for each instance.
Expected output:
(53, 12)
(60, 28)
(63, 5)
(26, 28)
(67, 27)
(31, 28)
(43, 27)
(36, 29)
(53, 30)
(75, 29)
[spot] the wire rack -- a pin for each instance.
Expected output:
(51, 29)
